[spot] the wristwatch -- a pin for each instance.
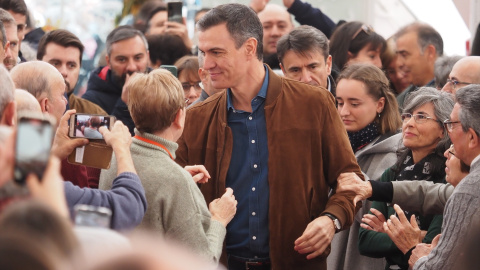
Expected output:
(336, 222)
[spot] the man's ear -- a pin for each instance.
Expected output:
(328, 64)
(107, 58)
(9, 116)
(251, 47)
(431, 52)
(179, 120)
(44, 104)
(283, 69)
(473, 139)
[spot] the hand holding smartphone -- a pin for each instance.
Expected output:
(174, 10)
(87, 125)
(32, 149)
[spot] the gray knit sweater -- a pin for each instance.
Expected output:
(460, 218)
(176, 207)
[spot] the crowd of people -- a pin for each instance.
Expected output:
(255, 145)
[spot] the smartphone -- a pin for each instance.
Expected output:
(174, 10)
(87, 125)
(32, 149)
(172, 69)
(92, 216)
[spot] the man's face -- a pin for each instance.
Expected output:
(276, 23)
(128, 56)
(2, 52)
(412, 60)
(66, 60)
(21, 21)
(225, 64)
(458, 136)
(464, 71)
(7, 157)
(157, 23)
(310, 68)
(11, 59)
(57, 103)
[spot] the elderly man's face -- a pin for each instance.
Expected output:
(226, 65)
(412, 60)
(458, 136)
(57, 103)
(310, 67)
(11, 60)
(66, 60)
(276, 22)
(463, 72)
(128, 56)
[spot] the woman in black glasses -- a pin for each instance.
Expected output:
(355, 42)
(425, 141)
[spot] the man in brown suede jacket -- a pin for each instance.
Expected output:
(278, 143)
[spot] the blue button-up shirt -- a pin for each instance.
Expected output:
(248, 232)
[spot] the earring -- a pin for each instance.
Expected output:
(378, 115)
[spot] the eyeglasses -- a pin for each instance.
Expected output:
(365, 28)
(455, 83)
(451, 151)
(187, 86)
(419, 118)
(449, 124)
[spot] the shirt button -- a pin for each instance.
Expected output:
(253, 141)
(254, 238)
(253, 213)
(250, 118)
(255, 166)
(253, 188)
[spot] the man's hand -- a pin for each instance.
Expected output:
(50, 189)
(258, 5)
(125, 90)
(199, 173)
(179, 29)
(288, 3)
(120, 139)
(351, 182)
(316, 237)
(422, 250)
(405, 235)
(63, 145)
(224, 208)
(373, 222)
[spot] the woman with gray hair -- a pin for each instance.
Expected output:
(425, 140)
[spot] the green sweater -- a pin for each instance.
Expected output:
(378, 245)
(176, 207)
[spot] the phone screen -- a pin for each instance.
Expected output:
(175, 12)
(86, 126)
(34, 140)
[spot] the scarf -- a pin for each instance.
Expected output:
(361, 138)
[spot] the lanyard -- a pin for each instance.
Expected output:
(154, 143)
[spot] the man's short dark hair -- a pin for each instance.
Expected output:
(123, 32)
(241, 21)
(302, 40)
(166, 48)
(4, 35)
(17, 6)
(60, 37)
(426, 35)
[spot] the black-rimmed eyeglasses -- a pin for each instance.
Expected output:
(455, 83)
(448, 124)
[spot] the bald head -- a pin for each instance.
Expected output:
(465, 71)
(276, 22)
(26, 101)
(45, 83)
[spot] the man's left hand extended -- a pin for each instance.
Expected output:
(316, 237)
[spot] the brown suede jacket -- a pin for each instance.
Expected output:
(308, 149)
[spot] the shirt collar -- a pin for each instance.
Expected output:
(475, 160)
(261, 94)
